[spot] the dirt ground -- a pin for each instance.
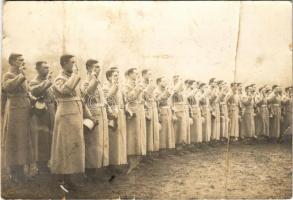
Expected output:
(261, 170)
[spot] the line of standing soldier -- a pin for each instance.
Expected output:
(43, 119)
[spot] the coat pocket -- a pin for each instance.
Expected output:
(20, 102)
(69, 108)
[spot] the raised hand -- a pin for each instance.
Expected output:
(22, 70)
(94, 74)
(50, 76)
(75, 70)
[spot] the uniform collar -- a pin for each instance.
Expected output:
(41, 77)
(66, 74)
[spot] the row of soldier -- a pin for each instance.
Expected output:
(43, 118)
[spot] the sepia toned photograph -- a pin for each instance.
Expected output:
(146, 100)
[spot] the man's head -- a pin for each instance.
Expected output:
(42, 68)
(146, 74)
(131, 73)
(161, 81)
(289, 90)
(112, 75)
(16, 60)
(187, 83)
(193, 84)
(175, 79)
(268, 89)
(220, 83)
(114, 68)
(212, 82)
(234, 87)
(67, 62)
(253, 87)
(275, 88)
(92, 65)
(202, 86)
(248, 89)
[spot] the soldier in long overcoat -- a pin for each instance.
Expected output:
(215, 111)
(196, 126)
(96, 140)
(179, 104)
(135, 121)
(43, 114)
(68, 145)
(162, 95)
(151, 110)
(206, 112)
(16, 132)
(248, 123)
(116, 118)
(233, 102)
(274, 101)
(223, 95)
(262, 118)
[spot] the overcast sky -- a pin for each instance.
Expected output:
(195, 39)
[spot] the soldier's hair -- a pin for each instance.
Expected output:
(288, 88)
(144, 72)
(130, 71)
(109, 73)
(274, 86)
(39, 64)
(247, 87)
(187, 81)
(232, 84)
(159, 80)
(89, 63)
(114, 68)
(65, 58)
(201, 85)
(13, 57)
(191, 82)
(212, 80)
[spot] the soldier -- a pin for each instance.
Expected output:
(204, 100)
(117, 120)
(241, 109)
(262, 117)
(215, 111)
(179, 104)
(135, 121)
(274, 101)
(16, 135)
(287, 103)
(43, 114)
(247, 101)
(196, 127)
(152, 119)
(223, 94)
(96, 140)
(68, 147)
(233, 109)
(162, 95)
(186, 90)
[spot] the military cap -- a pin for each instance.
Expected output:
(201, 85)
(220, 82)
(212, 80)
(274, 86)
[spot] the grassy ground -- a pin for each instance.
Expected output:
(261, 170)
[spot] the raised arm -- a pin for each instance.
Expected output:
(131, 94)
(11, 82)
(38, 89)
(66, 86)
